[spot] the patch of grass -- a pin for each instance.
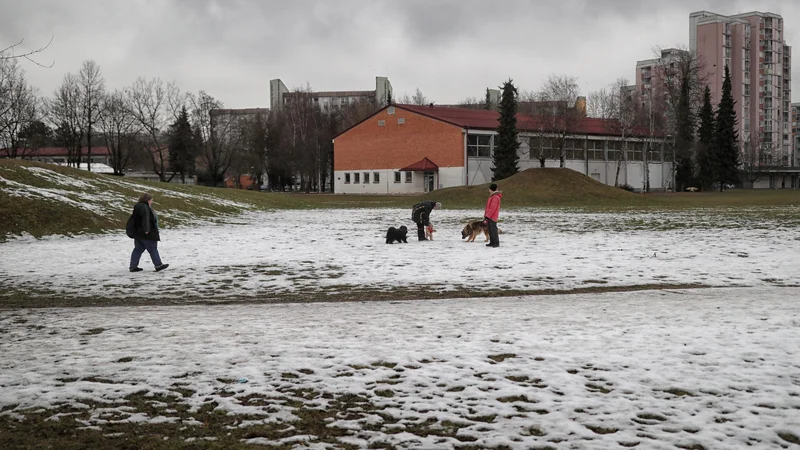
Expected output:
(181, 204)
(679, 392)
(502, 357)
(25, 297)
(597, 388)
(514, 398)
(601, 430)
(93, 331)
(536, 431)
(388, 365)
(789, 437)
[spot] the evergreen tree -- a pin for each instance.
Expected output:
(684, 137)
(705, 135)
(488, 101)
(182, 146)
(725, 149)
(506, 158)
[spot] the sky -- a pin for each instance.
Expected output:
(449, 49)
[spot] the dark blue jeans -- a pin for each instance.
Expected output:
(139, 246)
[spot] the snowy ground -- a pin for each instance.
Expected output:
(707, 368)
(266, 255)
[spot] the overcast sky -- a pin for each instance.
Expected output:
(449, 49)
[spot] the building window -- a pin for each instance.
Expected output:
(615, 151)
(366, 177)
(381, 123)
(347, 178)
(408, 177)
(479, 146)
(376, 178)
(390, 110)
(397, 177)
(635, 151)
(401, 120)
(356, 178)
(573, 149)
(597, 150)
(540, 146)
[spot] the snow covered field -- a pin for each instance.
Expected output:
(266, 255)
(706, 368)
(699, 368)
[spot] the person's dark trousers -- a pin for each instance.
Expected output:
(139, 246)
(421, 232)
(494, 237)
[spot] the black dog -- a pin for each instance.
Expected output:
(396, 234)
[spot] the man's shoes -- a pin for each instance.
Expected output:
(161, 267)
(493, 245)
(136, 269)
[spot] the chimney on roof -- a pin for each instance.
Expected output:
(431, 105)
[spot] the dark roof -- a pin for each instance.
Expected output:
(422, 165)
(483, 119)
(461, 117)
(488, 120)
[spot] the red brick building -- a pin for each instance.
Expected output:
(411, 149)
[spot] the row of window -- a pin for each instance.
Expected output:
(481, 146)
(357, 177)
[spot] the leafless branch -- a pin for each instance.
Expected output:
(26, 55)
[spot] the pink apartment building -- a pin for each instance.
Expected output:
(752, 46)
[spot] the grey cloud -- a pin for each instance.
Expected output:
(451, 49)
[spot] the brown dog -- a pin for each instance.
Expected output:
(473, 229)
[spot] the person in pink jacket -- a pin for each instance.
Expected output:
(491, 214)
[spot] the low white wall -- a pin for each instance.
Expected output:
(446, 177)
(631, 172)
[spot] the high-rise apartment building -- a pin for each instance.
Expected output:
(650, 74)
(796, 132)
(751, 45)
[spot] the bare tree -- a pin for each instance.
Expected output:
(148, 102)
(472, 103)
(93, 89)
(119, 128)
(65, 115)
(417, 99)
(354, 112)
(554, 111)
(756, 155)
(10, 53)
(600, 103)
(682, 77)
(218, 134)
(624, 117)
(301, 141)
(18, 107)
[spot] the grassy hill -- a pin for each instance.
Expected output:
(549, 187)
(44, 199)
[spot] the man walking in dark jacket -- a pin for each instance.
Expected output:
(146, 236)
(421, 215)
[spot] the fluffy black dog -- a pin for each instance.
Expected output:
(396, 234)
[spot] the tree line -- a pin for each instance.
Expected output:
(152, 123)
(702, 141)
